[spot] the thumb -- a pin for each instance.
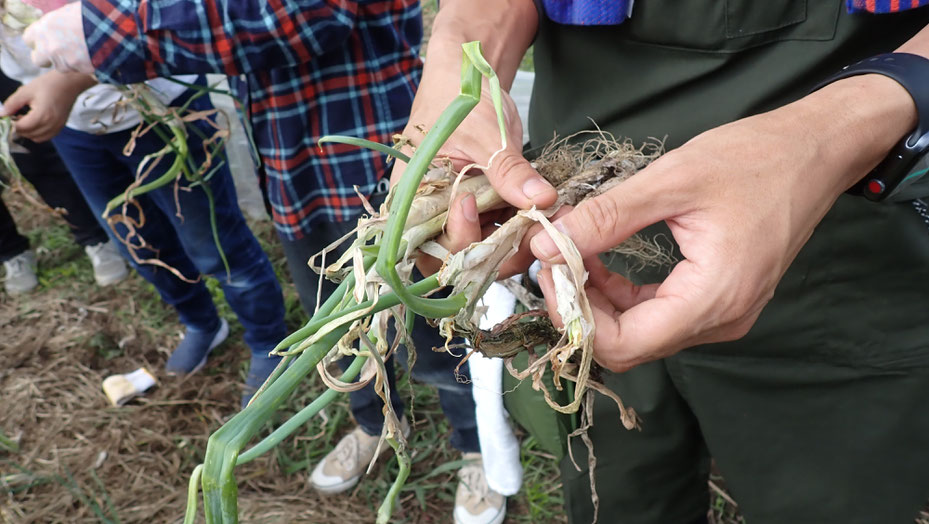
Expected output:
(514, 179)
(603, 222)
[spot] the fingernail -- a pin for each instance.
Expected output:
(535, 187)
(469, 208)
(543, 245)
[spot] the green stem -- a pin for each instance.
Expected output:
(385, 301)
(220, 493)
(219, 487)
(387, 507)
(180, 152)
(215, 229)
(190, 516)
(405, 191)
(361, 142)
(403, 459)
(302, 416)
(324, 311)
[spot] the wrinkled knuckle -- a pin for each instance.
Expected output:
(506, 167)
(600, 215)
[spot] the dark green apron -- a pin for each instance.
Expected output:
(821, 413)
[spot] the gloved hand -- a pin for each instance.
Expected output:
(57, 40)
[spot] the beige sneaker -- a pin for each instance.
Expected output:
(475, 502)
(109, 266)
(20, 273)
(343, 467)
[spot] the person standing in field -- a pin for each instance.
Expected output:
(305, 70)
(40, 165)
(90, 132)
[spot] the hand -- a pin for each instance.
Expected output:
(475, 141)
(506, 30)
(49, 97)
(57, 40)
(740, 200)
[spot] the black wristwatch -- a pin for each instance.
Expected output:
(901, 175)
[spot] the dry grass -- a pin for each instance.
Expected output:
(80, 460)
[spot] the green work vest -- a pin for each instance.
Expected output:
(679, 67)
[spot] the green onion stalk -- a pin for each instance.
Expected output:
(344, 309)
(170, 127)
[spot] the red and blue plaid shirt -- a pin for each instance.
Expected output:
(304, 68)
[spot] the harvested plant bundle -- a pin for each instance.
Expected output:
(375, 287)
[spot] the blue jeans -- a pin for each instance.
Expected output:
(433, 368)
(176, 231)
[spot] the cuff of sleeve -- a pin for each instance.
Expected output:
(118, 50)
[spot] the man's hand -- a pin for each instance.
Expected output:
(49, 98)
(740, 200)
(57, 40)
(506, 30)
(478, 138)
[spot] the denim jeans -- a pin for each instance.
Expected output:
(433, 368)
(176, 231)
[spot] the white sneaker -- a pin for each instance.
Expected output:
(343, 467)
(109, 266)
(475, 502)
(20, 273)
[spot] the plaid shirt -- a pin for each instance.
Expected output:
(305, 68)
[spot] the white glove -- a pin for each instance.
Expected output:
(57, 40)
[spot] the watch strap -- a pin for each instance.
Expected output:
(912, 72)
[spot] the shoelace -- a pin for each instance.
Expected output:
(346, 453)
(474, 480)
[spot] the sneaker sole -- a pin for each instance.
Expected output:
(346, 485)
(12, 290)
(498, 518)
(111, 279)
(335, 489)
(218, 339)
